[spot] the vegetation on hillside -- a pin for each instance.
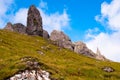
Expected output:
(62, 64)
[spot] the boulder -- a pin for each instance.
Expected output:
(45, 34)
(18, 27)
(108, 69)
(34, 22)
(61, 39)
(81, 48)
(9, 26)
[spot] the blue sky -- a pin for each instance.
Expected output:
(81, 14)
(95, 22)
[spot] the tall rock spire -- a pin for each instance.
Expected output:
(99, 56)
(98, 52)
(34, 22)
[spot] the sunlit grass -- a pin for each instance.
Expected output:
(61, 63)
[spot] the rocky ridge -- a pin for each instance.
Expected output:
(34, 27)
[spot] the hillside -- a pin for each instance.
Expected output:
(62, 64)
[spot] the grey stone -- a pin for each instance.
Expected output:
(31, 75)
(81, 48)
(99, 56)
(108, 69)
(61, 39)
(45, 34)
(18, 27)
(9, 26)
(34, 22)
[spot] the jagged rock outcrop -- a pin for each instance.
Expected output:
(18, 27)
(61, 39)
(99, 56)
(81, 48)
(45, 34)
(34, 22)
(9, 26)
(33, 71)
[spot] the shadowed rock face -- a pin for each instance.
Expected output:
(45, 34)
(81, 48)
(18, 27)
(61, 39)
(34, 22)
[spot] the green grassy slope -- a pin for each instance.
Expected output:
(61, 63)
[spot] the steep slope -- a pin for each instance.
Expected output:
(62, 64)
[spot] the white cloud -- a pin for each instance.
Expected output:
(109, 44)
(110, 13)
(20, 16)
(4, 7)
(55, 20)
(43, 5)
(51, 21)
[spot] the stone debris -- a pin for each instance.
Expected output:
(108, 69)
(31, 75)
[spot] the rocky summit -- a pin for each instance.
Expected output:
(81, 48)
(34, 22)
(61, 39)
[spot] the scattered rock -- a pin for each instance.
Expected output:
(9, 26)
(81, 48)
(40, 52)
(34, 22)
(31, 75)
(61, 39)
(108, 69)
(34, 73)
(45, 34)
(31, 62)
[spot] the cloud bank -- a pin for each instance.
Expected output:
(108, 43)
